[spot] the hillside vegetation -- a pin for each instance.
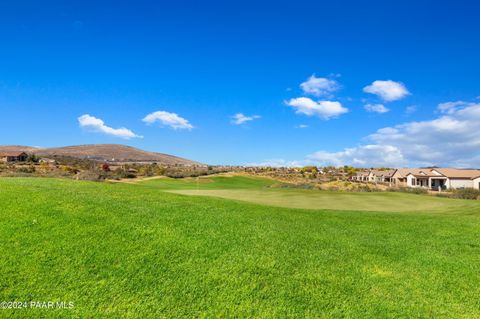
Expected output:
(139, 251)
(102, 152)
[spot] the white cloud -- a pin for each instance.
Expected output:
(323, 109)
(168, 119)
(319, 86)
(276, 163)
(410, 109)
(362, 156)
(302, 126)
(240, 118)
(452, 107)
(94, 124)
(387, 90)
(453, 139)
(376, 108)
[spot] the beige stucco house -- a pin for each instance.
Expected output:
(437, 178)
(380, 176)
(374, 176)
(362, 176)
(431, 178)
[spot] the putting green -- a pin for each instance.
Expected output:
(263, 191)
(309, 199)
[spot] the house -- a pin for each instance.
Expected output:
(387, 175)
(380, 176)
(13, 157)
(399, 177)
(432, 178)
(374, 176)
(47, 161)
(460, 178)
(437, 178)
(371, 177)
(361, 176)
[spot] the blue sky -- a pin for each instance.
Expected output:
(221, 82)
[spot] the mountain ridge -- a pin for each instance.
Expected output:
(102, 152)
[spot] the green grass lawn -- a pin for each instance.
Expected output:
(140, 251)
(212, 182)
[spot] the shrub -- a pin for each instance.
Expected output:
(159, 170)
(409, 190)
(118, 174)
(70, 170)
(174, 172)
(366, 188)
(465, 193)
(25, 169)
(79, 164)
(32, 158)
(89, 176)
(301, 186)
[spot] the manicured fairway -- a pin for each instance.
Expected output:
(263, 191)
(136, 251)
(211, 182)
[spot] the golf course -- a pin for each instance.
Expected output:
(234, 246)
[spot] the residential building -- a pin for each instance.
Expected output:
(13, 157)
(361, 176)
(374, 176)
(432, 178)
(380, 176)
(437, 178)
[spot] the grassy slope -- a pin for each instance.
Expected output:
(134, 252)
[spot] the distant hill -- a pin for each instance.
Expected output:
(102, 152)
(16, 148)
